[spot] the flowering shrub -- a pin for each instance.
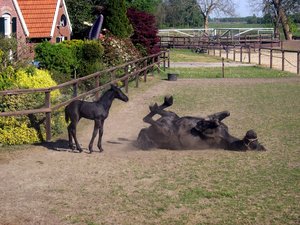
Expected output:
(118, 51)
(27, 129)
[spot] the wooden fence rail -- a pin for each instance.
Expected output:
(131, 70)
(239, 47)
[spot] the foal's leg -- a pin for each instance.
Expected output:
(73, 133)
(96, 128)
(100, 136)
(70, 137)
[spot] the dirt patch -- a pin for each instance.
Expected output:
(43, 186)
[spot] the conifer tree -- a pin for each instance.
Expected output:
(116, 20)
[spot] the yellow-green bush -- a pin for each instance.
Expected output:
(23, 130)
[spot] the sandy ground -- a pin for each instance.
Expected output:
(41, 185)
(290, 59)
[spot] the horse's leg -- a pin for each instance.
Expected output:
(96, 127)
(100, 136)
(70, 137)
(219, 116)
(73, 132)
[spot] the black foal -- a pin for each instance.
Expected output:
(97, 111)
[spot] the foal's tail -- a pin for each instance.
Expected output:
(67, 117)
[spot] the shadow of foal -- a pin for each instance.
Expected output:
(97, 111)
(173, 132)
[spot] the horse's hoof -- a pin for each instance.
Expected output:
(101, 149)
(153, 108)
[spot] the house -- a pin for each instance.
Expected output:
(33, 21)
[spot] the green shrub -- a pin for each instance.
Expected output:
(55, 57)
(28, 129)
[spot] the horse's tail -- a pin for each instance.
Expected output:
(67, 117)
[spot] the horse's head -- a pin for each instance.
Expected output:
(119, 94)
(251, 141)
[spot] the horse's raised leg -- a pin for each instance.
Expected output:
(96, 128)
(219, 116)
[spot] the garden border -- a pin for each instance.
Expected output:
(133, 69)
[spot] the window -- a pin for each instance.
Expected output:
(61, 39)
(63, 21)
(8, 25)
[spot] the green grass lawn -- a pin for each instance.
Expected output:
(229, 72)
(222, 187)
(186, 55)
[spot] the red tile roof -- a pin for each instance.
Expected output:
(38, 16)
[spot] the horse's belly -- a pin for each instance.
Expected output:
(193, 142)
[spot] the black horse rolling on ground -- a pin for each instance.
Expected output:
(97, 111)
(173, 132)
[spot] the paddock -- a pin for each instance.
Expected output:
(125, 185)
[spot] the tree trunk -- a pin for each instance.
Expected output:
(205, 21)
(283, 19)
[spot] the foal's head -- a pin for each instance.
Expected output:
(118, 93)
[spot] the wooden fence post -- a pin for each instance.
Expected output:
(164, 61)
(48, 115)
(168, 58)
(241, 54)
(234, 52)
(259, 55)
(249, 54)
(282, 60)
(298, 62)
(75, 89)
(145, 71)
(158, 64)
(223, 70)
(127, 72)
(271, 58)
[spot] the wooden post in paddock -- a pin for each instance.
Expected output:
(223, 69)
(145, 71)
(298, 62)
(48, 115)
(259, 56)
(249, 54)
(168, 58)
(271, 58)
(282, 59)
(241, 54)
(164, 61)
(75, 89)
(234, 52)
(158, 64)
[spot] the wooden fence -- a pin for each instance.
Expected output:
(131, 70)
(238, 49)
(195, 42)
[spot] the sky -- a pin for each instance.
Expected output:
(243, 9)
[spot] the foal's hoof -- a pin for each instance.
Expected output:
(101, 149)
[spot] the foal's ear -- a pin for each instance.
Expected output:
(113, 87)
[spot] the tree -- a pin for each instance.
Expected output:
(145, 30)
(279, 10)
(149, 6)
(80, 11)
(180, 13)
(116, 19)
(218, 6)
